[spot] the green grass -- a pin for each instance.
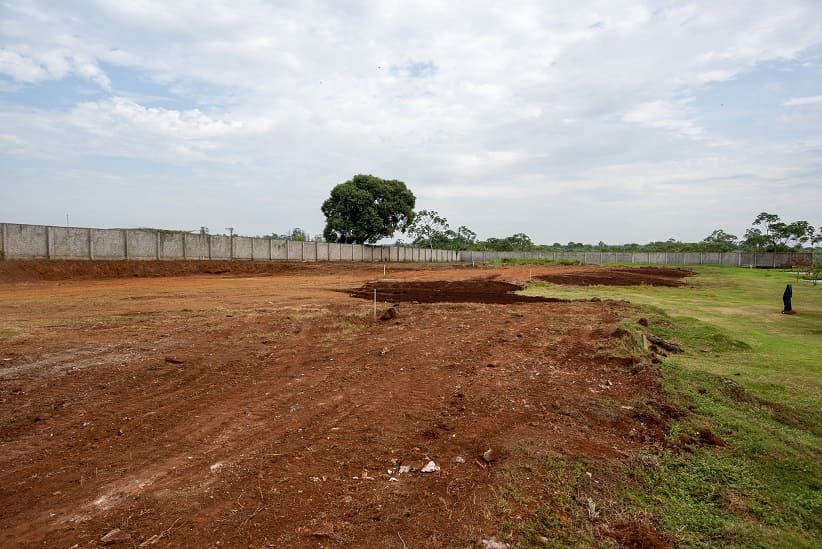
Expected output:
(8, 333)
(752, 376)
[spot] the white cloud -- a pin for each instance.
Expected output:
(548, 99)
(663, 115)
(809, 100)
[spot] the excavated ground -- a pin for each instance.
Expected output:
(619, 276)
(273, 411)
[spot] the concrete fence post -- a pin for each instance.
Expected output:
(125, 244)
(90, 245)
(270, 253)
(48, 242)
(184, 245)
(316, 251)
(3, 241)
(157, 251)
(302, 250)
(209, 245)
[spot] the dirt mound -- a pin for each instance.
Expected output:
(619, 276)
(479, 290)
(21, 271)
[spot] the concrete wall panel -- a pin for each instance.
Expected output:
(171, 246)
(309, 251)
(322, 251)
(220, 247)
(141, 244)
(25, 241)
(295, 250)
(69, 243)
(334, 251)
(279, 250)
(108, 243)
(260, 249)
(196, 246)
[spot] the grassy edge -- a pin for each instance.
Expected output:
(759, 483)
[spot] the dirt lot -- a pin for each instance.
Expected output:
(273, 411)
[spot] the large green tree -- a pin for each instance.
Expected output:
(365, 209)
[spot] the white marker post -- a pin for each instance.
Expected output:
(375, 304)
(383, 271)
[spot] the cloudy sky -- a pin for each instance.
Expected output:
(622, 121)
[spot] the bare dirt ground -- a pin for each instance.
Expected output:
(273, 411)
(619, 276)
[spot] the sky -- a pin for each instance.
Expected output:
(587, 121)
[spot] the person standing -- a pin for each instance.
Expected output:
(786, 301)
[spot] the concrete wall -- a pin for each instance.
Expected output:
(47, 242)
(648, 258)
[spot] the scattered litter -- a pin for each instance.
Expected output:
(593, 512)
(430, 467)
(393, 479)
(493, 543)
(174, 360)
(459, 459)
(489, 455)
(114, 536)
(216, 467)
(406, 469)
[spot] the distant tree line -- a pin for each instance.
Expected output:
(767, 234)
(366, 209)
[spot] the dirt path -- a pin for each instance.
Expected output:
(274, 411)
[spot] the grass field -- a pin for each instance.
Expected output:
(750, 375)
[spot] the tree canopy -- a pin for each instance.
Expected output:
(365, 209)
(428, 229)
(771, 234)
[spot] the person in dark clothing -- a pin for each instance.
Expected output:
(786, 300)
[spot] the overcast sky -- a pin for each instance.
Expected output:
(622, 121)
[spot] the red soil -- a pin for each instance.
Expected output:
(273, 411)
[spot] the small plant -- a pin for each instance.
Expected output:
(814, 273)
